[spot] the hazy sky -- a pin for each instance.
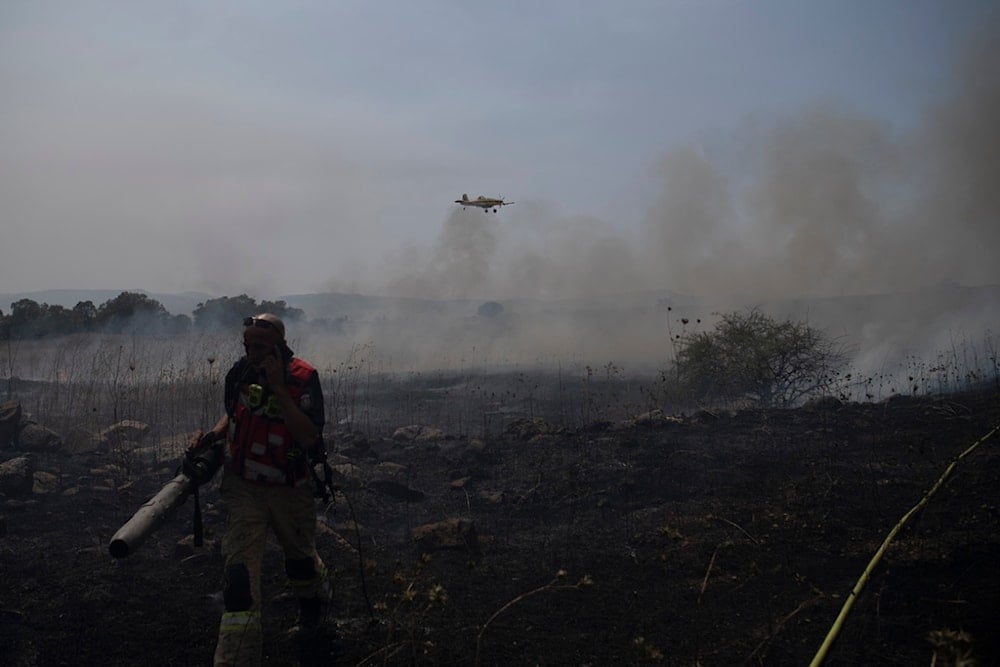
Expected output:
(779, 148)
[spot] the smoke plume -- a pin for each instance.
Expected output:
(783, 213)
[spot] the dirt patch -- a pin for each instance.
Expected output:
(716, 539)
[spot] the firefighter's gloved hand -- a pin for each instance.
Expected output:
(201, 463)
(200, 440)
(209, 439)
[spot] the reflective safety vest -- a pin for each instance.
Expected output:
(260, 446)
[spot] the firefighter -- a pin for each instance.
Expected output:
(273, 428)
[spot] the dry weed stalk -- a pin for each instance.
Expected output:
(406, 614)
(553, 585)
(780, 625)
(708, 571)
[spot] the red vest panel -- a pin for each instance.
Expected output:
(260, 447)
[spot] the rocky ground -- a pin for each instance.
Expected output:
(717, 538)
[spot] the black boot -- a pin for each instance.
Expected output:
(312, 614)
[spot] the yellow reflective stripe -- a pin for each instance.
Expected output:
(237, 621)
(318, 584)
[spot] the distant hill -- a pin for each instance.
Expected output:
(364, 307)
(361, 307)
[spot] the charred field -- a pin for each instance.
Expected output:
(555, 534)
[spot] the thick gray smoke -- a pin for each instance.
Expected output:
(822, 203)
(459, 264)
(830, 203)
(799, 218)
(780, 213)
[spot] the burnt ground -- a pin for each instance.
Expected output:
(718, 539)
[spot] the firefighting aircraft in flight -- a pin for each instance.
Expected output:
(485, 203)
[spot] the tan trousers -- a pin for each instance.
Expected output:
(254, 509)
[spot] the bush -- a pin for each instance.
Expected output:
(750, 357)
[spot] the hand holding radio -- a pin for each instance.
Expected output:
(273, 369)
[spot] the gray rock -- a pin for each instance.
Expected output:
(17, 477)
(45, 482)
(456, 533)
(10, 419)
(80, 440)
(127, 429)
(418, 433)
(34, 437)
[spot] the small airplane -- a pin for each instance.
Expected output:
(485, 203)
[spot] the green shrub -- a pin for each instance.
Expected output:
(752, 358)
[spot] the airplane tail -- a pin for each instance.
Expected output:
(465, 197)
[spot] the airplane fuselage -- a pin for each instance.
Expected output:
(482, 202)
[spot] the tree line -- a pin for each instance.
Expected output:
(749, 358)
(132, 312)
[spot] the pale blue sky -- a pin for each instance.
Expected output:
(293, 147)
